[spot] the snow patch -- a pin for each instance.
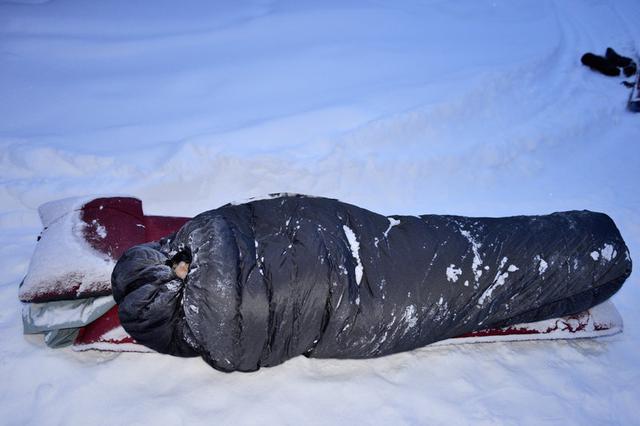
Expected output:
(62, 255)
(116, 334)
(342, 269)
(475, 248)
(173, 285)
(267, 197)
(259, 260)
(392, 222)
(409, 316)
(453, 273)
(110, 346)
(100, 229)
(339, 299)
(608, 252)
(498, 281)
(542, 264)
(355, 247)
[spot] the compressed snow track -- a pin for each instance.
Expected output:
(473, 108)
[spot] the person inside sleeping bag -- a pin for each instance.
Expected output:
(255, 284)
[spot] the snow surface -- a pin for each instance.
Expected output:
(408, 107)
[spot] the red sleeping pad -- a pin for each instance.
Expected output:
(106, 334)
(106, 331)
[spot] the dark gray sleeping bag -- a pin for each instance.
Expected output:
(294, 275)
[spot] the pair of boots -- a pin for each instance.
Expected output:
(610, 64)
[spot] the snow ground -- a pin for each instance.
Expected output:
(470, 107)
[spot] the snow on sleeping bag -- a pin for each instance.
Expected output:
(294, 275)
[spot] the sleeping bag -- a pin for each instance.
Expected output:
(255, 284)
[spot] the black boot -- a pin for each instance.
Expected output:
(600, 64)
(630, 69)
(617, 60)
